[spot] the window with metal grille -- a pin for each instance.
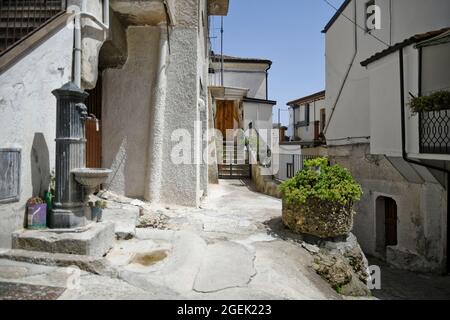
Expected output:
(9, 175)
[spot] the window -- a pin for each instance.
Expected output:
(307, 112)
(289, 170)
(323, 120)
(9, 175)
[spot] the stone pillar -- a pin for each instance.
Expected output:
(157, 130)
(69, 211)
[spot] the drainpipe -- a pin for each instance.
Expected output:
(405, 154)
(267, 81)
(346, 74)
(78, 36)
(156, 133)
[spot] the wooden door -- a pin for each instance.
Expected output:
(391, 222)
(94, 127)
(225, 116)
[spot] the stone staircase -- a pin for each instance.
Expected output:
(235, 164)
(19, 18)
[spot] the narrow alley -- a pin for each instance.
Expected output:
(221, 251)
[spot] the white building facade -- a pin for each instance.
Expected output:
(403, 215)
(307, 119)
(145, 65)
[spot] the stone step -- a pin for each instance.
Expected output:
(95, 265)
(95, 239)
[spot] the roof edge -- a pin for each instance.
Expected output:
(217, 58)
(312, 97)
(336, 16)
(409, 41)
(256, 100)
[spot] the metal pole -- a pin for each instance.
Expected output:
(221, 49)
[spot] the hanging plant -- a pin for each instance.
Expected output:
(439, 100)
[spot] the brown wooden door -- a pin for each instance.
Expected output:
(225, 116)
(94, 127)
(93, 144)
(391, 222)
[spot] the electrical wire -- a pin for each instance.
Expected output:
(355, 23)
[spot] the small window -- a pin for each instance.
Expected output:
(307, 112)
(9, 175)
(289, 170)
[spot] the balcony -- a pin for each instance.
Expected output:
(434, 131)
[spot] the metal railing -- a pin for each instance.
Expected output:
(291, 164)
(434, 132)
(20, 18)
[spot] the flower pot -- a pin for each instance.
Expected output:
(319, 218)
(37, 216)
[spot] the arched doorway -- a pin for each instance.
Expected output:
(386, 224)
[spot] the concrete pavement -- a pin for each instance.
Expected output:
(222, 250)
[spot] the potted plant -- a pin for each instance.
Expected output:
(319, 200)
(437, 101)
(97, 210)
(36, 213)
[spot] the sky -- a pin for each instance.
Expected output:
(288, 32)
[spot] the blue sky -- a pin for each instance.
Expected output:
(288, 32)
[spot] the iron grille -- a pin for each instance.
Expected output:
(434, 132)
(20, 18)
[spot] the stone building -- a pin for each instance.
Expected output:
(145, 67)
(371, 73)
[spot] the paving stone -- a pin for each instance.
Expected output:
(125, 219)
(225, 265)
(20, 291)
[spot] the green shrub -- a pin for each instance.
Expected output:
(436, 101)
(321, 181)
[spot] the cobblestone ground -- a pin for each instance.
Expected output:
(222, 250)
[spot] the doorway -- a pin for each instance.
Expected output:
(386, 224)
(94, 126)
(225, 116)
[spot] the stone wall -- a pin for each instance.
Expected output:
(265, 184)
(421, 210)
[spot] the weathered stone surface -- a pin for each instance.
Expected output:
(323, 219)
(334, 269)
(355, 288)
(94, 240)
(125, 219)
(225, 265)
(90, 264)
(19, 291)
(265, 184)
(343, 265)
(283, 271)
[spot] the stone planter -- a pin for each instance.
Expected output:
(322, 219)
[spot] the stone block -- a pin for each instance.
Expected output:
(93, 240)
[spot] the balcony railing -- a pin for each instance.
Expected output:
(434, 132)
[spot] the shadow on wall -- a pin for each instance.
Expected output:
(40, 165)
